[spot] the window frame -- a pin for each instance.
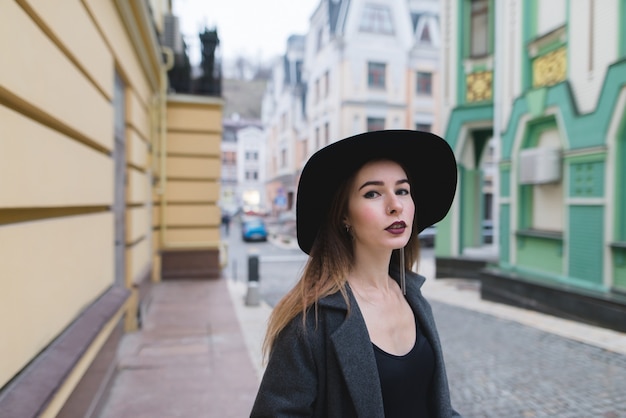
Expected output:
(375, 124)
(376, 75)
(478, 10)
(420, 80)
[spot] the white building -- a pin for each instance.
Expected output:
(251, 169)
(364, 66)
(285, 124)
(243, 172)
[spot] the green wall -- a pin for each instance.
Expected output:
(622, 28)
(586, 179)
(585, 164)
(582, 130)
(461, 116)
(505, 230)
(620, 184)
(470, 208)
(586, 242)
(443, 243)
(619, 268)
(540, 255)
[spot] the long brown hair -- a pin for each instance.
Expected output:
(330, 260)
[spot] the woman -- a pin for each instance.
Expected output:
(355, 337)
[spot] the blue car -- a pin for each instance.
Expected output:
(253, 229)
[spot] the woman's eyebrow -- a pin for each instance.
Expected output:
(380, 183)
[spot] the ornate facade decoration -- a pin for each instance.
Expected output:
(550, 68)
(479, 86)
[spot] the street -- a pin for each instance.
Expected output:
(496, 367)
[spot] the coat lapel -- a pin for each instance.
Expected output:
(356, 359)
(354, 351)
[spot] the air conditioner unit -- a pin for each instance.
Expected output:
(540, 165)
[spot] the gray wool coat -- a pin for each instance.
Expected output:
(330, 370)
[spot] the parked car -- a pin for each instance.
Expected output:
(427, 236)
(286, 223)
(253, 228)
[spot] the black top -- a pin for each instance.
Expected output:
(406, 380)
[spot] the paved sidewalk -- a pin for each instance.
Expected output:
(189, 360)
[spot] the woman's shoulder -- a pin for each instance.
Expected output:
(327, 310)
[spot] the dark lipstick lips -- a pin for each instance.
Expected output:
(397, 225)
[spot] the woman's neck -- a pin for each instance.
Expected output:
(370, 271)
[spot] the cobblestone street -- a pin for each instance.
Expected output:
(499, 368)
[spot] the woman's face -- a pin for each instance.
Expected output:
(380, 207)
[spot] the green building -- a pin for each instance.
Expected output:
(539, 89)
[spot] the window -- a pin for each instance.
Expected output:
(317, 138)
(376, 18)
(326, 83)
(316, 98)
(252, 175)
(252, 155)
(376, 74)
(479, 30)
(319, 42)
(542, 205)
(229, 157)
(424, 127)
(375, 124)
(425, 37)
(424, 83)
(229, 135)
(326, 133)
(550, 15)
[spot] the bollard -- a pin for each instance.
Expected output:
(253, 297)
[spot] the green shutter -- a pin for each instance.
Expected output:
(586, 227)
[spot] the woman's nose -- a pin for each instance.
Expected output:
(394, 206)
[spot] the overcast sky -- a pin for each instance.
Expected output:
(257, 29)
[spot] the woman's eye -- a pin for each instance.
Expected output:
(403, 192)
(370, 195)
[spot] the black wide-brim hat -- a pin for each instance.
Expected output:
(427, 158)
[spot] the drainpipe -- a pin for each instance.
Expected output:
(168, 64)
(498, 70)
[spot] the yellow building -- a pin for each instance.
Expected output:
(107, 183)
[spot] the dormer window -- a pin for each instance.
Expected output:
(376, 18)
(425, 37)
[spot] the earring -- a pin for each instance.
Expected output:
(347, 228)
(402, 272)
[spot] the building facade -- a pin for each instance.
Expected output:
(243, 167)
(107, 182)
(545, 84)
(362, 66)
(284, 121)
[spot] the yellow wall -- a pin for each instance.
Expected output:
(39, 166)
(50, 270)
(191, 217)
(56, 164)
(57, 168)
